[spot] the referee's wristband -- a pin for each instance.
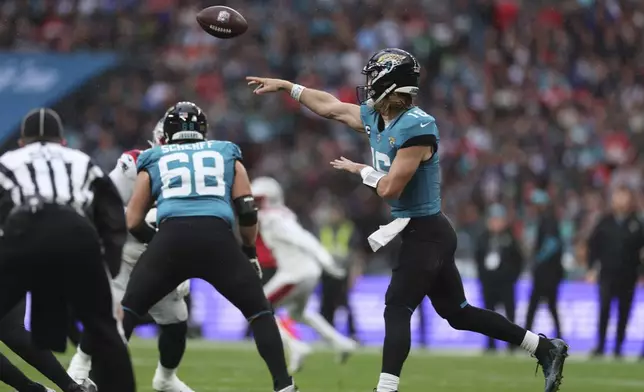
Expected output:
(371, 177)
(249, 251)
(296, 91)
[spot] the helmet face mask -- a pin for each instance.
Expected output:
(158, 136)
(389, 71)
(183, 122)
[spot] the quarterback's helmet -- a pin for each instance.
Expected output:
(185, 121)
(389, 71)
(267, 190)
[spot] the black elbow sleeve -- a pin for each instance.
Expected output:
(246, 210)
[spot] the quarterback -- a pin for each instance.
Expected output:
(171, 313)
(300, 260)
(405, 171)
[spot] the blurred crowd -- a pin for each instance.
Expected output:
(527, 94)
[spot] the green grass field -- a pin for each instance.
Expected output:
(237, 367)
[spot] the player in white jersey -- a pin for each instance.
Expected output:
(300, 260)
(171, 313)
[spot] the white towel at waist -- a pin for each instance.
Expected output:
(385, 234)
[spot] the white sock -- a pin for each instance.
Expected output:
(387, 383)
(530, 342)
(82, 355)
(165, 372)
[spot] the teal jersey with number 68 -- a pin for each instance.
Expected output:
(192, 179)
(422, 195)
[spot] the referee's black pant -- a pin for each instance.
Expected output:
(14, 335)
(56, 255)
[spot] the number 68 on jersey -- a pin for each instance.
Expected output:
(203, 172)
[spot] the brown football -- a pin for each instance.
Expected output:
(222, 22)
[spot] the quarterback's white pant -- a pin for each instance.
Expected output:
(285, 291)
(171, 309)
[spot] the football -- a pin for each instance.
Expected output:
(222, 22)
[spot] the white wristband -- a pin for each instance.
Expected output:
(296, 91)
(371, 176)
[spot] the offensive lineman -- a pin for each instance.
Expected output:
(406, 173)
(300, 260)
(195, 183)
(170, 313)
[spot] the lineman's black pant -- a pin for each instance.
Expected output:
(205, 248)
(267, 274)
(57, 257)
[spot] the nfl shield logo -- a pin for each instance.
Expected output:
(378, 138)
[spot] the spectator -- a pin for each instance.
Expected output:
(547, 270)
(521, 90)
(615, 245)
(499, 261)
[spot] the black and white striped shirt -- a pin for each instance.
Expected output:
(54, 173)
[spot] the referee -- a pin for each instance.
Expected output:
(62, 218)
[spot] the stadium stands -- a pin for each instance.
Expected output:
(526, 93)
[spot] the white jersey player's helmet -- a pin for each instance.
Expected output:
(269, 189)
(158, 137)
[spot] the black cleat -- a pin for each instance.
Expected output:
(552, 364)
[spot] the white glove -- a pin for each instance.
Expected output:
(183, 289)
(335, 270)
(251, 253)
(258, 268)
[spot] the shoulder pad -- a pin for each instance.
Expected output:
(235, 151)
(368, 116)
(127, 161)
(133, 153)
(414, 122)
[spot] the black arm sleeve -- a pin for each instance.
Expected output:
(109, 219)
(422, 140)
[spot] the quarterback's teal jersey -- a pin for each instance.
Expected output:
(193, 179)
(422, 195)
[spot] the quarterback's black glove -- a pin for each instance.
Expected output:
(251, 253)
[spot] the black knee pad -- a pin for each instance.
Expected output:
(397, 312)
